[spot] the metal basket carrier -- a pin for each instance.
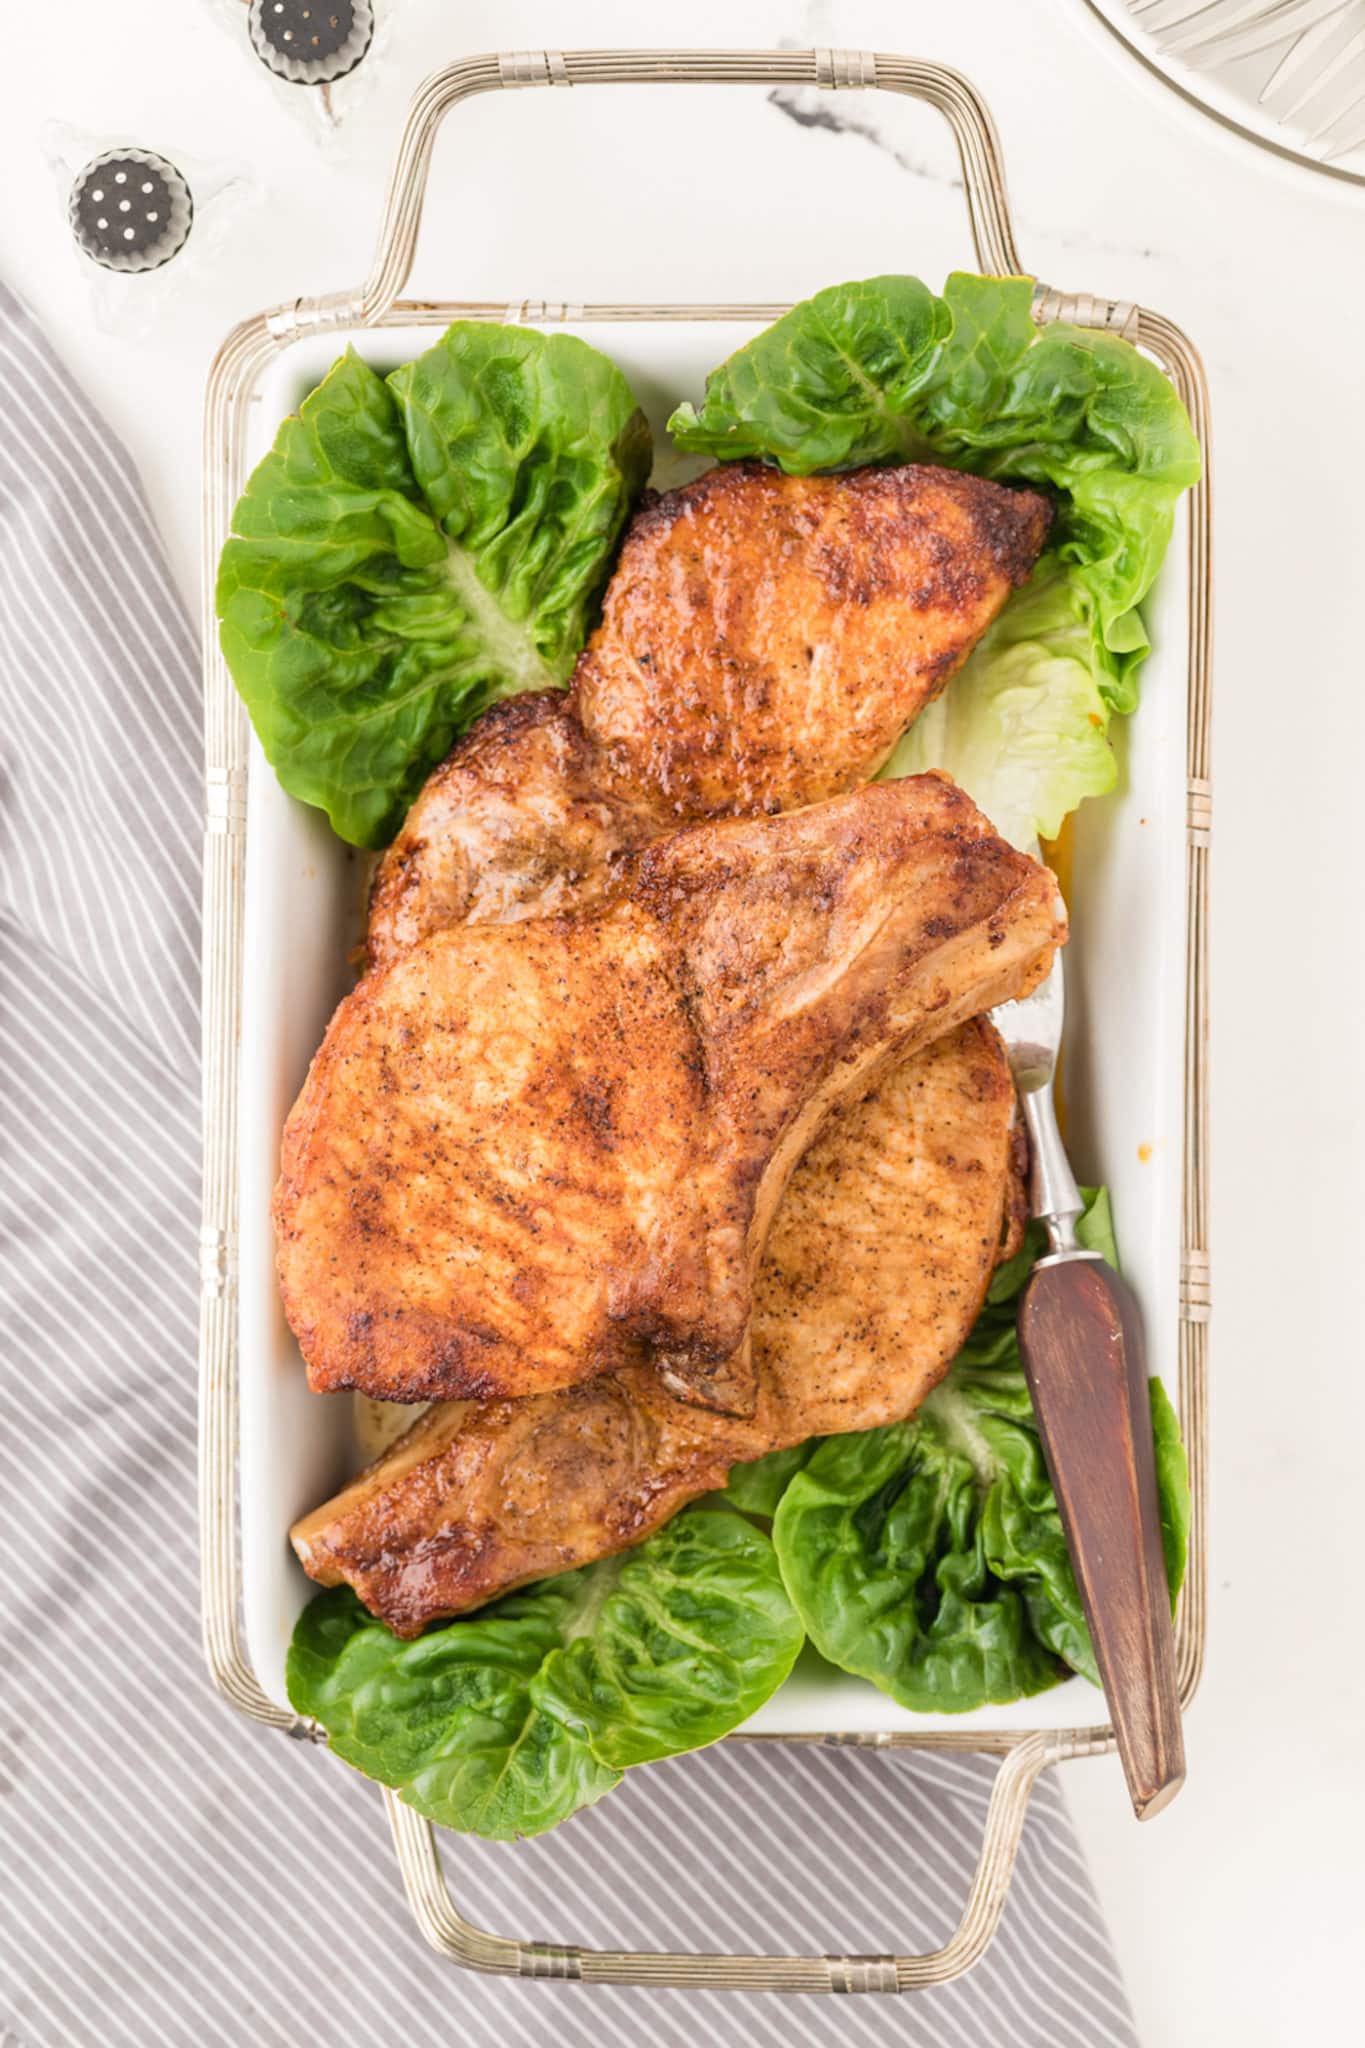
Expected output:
(376, 303)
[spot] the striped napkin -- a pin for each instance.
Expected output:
(179, 1878)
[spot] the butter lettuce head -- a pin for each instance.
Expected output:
(414, 547)
(507, 1723)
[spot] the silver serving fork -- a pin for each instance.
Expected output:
(1080, 1334)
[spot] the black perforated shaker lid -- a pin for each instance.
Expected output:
(311, 42)
(130, 210)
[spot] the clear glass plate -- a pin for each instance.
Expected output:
(1288, 74)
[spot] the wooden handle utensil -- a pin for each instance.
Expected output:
(1080, 1333)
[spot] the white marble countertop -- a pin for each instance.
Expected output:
(1233, 1914)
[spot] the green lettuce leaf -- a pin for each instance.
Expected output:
(757, 1487)
(836, 383)
(1172, 1485)
(508, 1722)
(1023, 725)
(929, 1556)
(414, 547)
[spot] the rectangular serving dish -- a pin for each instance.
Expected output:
(284, 904)
(304, 916)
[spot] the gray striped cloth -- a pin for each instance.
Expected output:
(174, 1875)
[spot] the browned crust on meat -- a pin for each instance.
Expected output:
(528, 1152)
(1006, 524)
(766, 639)
(531, 815)
(877, 1266)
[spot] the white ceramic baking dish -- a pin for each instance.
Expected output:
(304, 911)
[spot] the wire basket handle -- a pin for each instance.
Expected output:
(954, 97)
(451, 1935)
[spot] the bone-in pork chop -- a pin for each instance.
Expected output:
(874, 1271)
(765, 640)
(529, 1153)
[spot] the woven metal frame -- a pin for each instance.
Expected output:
(1022, 1753)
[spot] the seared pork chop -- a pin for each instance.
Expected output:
(765, 640)
(529, 1153)
(875, 1269)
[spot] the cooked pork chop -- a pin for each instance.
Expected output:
(765, 640)
(529, 1153)
(875, 1269)
(790, 628)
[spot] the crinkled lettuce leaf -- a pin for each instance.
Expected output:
(1023, 725)
(1172, 1485)
(757, 1487)
(507, 1722)
(929, 1556)
(414, 547)
(882, 371)
(836, 383)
